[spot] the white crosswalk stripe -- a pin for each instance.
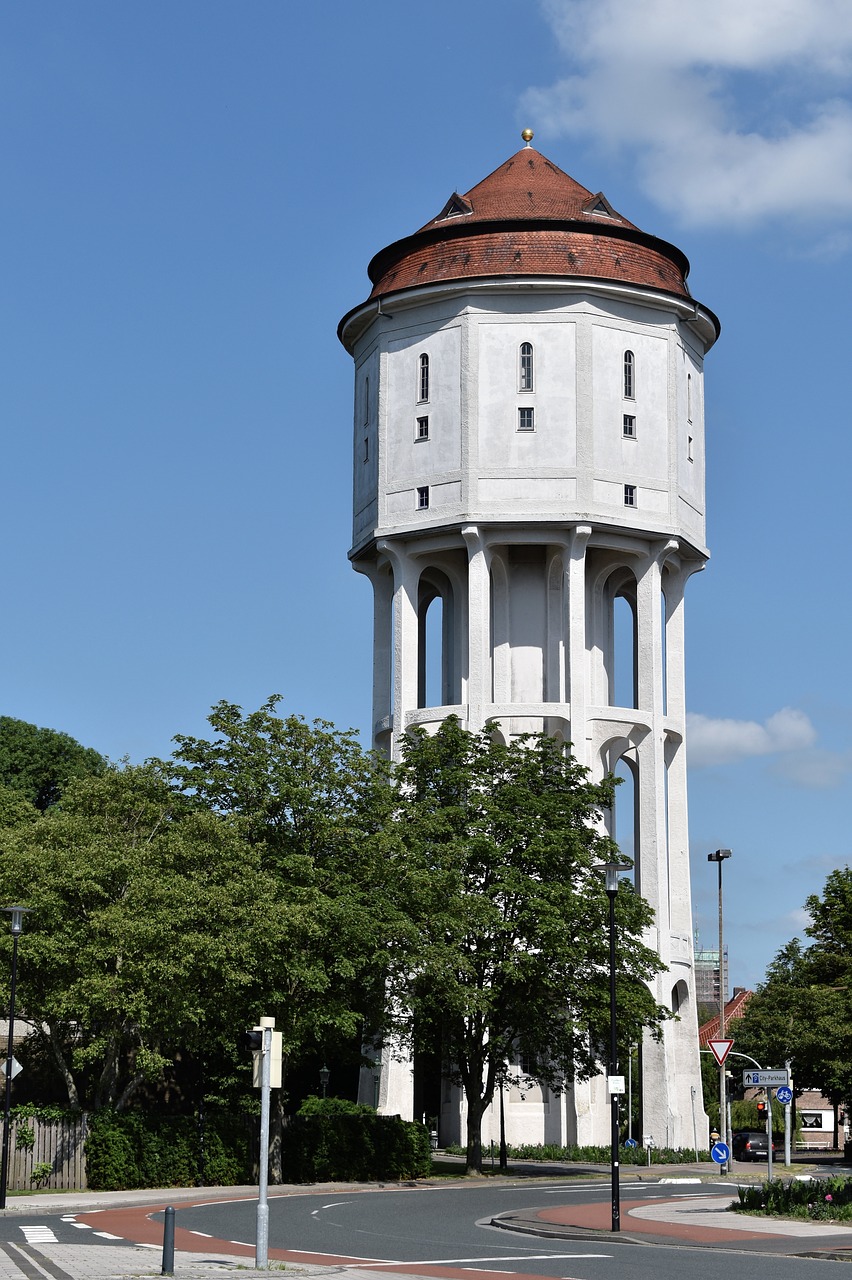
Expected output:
(39, 1235)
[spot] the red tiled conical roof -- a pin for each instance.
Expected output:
(528, 218)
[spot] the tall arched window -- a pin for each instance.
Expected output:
(423, 380)
(629, 375)
(526, 371)
(366, 401)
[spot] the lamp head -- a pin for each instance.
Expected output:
(17, 913)
(719, 855)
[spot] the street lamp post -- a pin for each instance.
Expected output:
(17, 914)
(323, 1075)
(719, 857)
(612, 870)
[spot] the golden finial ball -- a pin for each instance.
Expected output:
(527, 135)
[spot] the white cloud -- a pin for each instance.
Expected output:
(732, 113)
(710, 741)
(817, 768)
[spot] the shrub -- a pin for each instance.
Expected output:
(337, 1144)
(826, 1200)
(594, 1155)
(131, 1150)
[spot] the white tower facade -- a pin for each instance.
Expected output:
(528, 505)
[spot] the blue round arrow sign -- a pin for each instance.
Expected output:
(784, 1095)
(720, 1152)
(631, 1142)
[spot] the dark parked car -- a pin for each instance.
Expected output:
(750, 1144)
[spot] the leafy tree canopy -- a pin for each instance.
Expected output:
(316, 809)
(39, 763)
(500, 849)
(147, 921)
(802, 1013)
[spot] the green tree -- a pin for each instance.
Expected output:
(512, 953)
(316, 810)
(148, 917)
(802, 1013)
(39, 763)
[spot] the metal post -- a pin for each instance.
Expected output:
(4, 1161)
(613, 1056)
(262, 1243)
(504, 1159)
(718, 857)
(787, 1153)
(769, 1133)
(168, 1242)
(692, 1092)
(630, 1094)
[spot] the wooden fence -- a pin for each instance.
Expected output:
(59, 1145)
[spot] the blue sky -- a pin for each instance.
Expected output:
(191, 195)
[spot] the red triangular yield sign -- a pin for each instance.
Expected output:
(720, 1049)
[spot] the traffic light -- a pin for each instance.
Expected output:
(252, 1041)
(761, 1109)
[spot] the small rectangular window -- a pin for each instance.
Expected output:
(630, 495)
(526, 420)
(422, 429)
(422, 497)
(366, 448)
(629, 426)
(689, 456)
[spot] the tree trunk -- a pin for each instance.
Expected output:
(278, 1120)
(475, 1108)
(105, 1092)
(64, 1069)
(129, 1090)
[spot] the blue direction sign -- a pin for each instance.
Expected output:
(631, 1142)
(784, 1095)
(720, 1152)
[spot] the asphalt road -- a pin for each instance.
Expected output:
(450, 1226)
(49, 1228)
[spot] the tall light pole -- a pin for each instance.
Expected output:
(719, 857)
(323, 1075)
(612, 869)
(17, 914)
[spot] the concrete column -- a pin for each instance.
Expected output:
(577, 676)
(406, 574)
(478, 628)
(381, 578)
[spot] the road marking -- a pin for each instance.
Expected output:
(21, 1255)
(83, 1226)
(245, 1243)
(39, 1235)
(473, 1262)
(107, 1235)
(206, 1234)
(334, 1204)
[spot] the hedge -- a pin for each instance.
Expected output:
(354, 1148)
(131, 1150)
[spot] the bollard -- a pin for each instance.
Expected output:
(169, 1242)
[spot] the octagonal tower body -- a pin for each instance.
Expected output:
(529, 464)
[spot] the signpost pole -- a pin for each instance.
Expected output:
(787, 1118)
(769, 1133)
(262, 1238)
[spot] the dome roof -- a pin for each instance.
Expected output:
(528, 218)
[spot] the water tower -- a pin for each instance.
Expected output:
(528, 505)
